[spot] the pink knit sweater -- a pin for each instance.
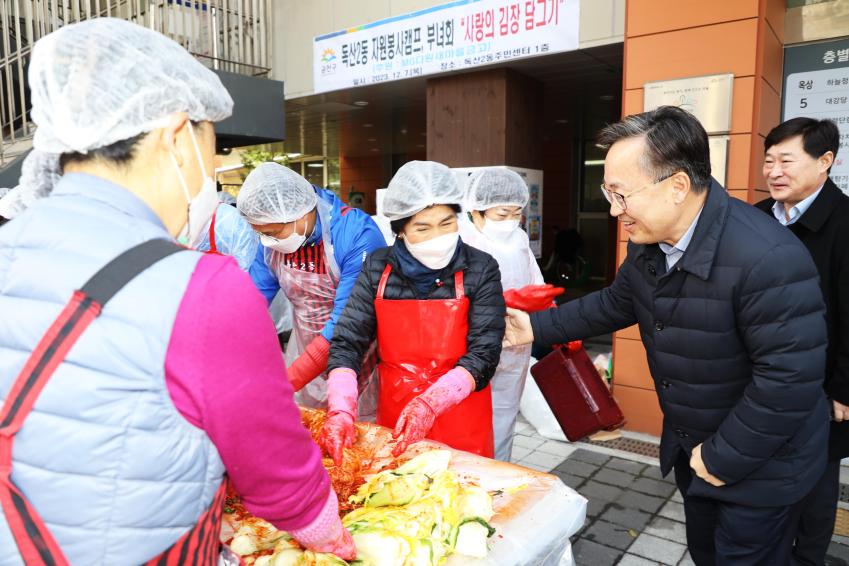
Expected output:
(225, 373)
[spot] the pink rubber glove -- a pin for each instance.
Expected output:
(338, 432)
(418, 416)
(326, 533)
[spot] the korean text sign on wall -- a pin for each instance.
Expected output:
(458, 35)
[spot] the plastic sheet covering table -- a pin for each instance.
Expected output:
(533, 524)
(535, 513)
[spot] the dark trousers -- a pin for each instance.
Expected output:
(812, 521)
(720, 533)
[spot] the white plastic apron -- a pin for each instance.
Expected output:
(518, 268)
(312, 296)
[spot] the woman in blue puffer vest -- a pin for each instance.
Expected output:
(124, 431)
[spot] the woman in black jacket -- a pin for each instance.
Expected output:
(435, 306)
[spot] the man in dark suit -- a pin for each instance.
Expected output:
(798, 155)
(732, 317)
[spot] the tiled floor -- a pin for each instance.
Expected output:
(634, 517)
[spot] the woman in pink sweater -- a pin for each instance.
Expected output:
(125, 118)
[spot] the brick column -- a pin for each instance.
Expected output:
(484, 118)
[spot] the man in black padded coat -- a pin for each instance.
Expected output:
(798, 156)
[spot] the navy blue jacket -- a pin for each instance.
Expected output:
(735, 336)
(824, 229)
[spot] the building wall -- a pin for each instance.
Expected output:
(812, 22)
(557, 174)
(362, 174)
(744, 37)
(482, 118)
(298, 22)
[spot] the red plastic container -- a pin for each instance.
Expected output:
(576, 393)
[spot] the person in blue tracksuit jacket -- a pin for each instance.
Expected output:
(314, 246)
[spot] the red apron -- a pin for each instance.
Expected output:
(37, 547)
(212, 247)
(418, 341)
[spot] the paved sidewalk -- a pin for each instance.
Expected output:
(634, 516)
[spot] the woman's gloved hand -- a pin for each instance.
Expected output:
(418, 416)
(532, 298)
(342, 546)
(339, 432)
(326, 533)
(310, 363)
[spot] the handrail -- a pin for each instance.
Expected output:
(260, 71)
(231, 34)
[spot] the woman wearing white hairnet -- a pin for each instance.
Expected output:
(136, 373)
(435, 306)
(315, 246)
(496, 199)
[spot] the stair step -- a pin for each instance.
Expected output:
(17, 147)
(12, 151)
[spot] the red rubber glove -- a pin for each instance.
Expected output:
(326, 533)
(532, 298)
(418, 416)
(309, 364)
(338, 431)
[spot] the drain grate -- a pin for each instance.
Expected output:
(631, 445)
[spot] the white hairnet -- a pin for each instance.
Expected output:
(39, 173)
(379, 195)
(418, 185)
(493, 187)
(105, 80)
(275, 194)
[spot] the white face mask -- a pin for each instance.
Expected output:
(202, 207)
(286, 245)
(436, 252)
(499, 230)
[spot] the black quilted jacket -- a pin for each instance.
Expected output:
(735, 336)
(824, 229)
(357, 326)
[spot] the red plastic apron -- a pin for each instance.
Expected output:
(418, 341)
(37, 547)
(212, 247)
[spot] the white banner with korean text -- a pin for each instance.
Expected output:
(459, 35)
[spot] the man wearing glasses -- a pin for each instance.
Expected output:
(733, 321)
